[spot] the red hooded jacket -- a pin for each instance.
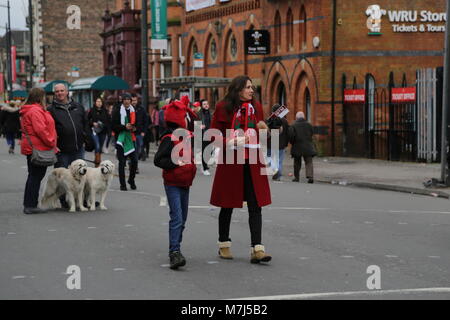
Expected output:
(40, 126)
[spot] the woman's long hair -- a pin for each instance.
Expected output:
(103, 103)
(37, 95)
(232, 98)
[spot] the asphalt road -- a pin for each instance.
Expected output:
(323, 238)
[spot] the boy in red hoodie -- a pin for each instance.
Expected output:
(178, 174)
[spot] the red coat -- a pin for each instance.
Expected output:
(40, 126)
(228, 186)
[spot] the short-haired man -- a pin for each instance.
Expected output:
(72, 126)
(124, 127)
(204, 115)
(141, 125)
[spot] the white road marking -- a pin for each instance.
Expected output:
(119, 269)
(391, 256)
(336, 222)
(92, 227)
(403, 223)
(368, 222)
(347, 257)
(212, 262)
(304, 258)
(162, 201)
(128, 225)
(165, 265)
(7, 161)
(11, 233)
(346, 293)
(51, 230)
(18, 277)
(434, 257)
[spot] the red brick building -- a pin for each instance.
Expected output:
(314, 48)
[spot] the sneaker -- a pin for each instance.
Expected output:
(276, 177)
(33, 210)
(176, 260)
(206, 173)
(310, 180)
(123, 188)
(295, 180)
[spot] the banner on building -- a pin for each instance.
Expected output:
(354, 96)
(158, 9)
(257, 42)
(403, 95)
(198, 60)
(199, 4)
(13, 64)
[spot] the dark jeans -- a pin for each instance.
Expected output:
(10, 139)
(99, 140)
(65, 159)
(254, 218)
(122, 161)
(178, 199)
(35, 176)
(139, 144)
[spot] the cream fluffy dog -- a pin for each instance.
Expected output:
(98, 181)
(69, 181)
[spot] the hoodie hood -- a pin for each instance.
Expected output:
(28, 107)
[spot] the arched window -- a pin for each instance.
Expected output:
(277, 26)
(303, 27)
(289, 30)
(192, 48)
(281, 93)
(233, 47)
(110, 66)
(119, 64)
(307, 105)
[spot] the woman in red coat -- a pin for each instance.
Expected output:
(38, 123)
(242, 180)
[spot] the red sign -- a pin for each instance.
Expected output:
(13, 64)
(402, 95)
(354, 96)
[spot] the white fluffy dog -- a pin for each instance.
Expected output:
(98, 181)
(69, 181)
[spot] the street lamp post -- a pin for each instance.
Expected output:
(8, 50)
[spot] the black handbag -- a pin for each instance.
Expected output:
(41, 158)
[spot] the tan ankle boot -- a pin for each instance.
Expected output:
(258, 255)
(224, 250)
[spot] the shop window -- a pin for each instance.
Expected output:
(303, 27)
(277, 26)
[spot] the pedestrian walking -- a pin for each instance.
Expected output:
(301, 138)
(204, 115)
(281, 124)
(38, 127)
(155, 123)
(124, 127)
(235, 183)
(178, 175)
(99, 122)
(10, 123)
(141, 125)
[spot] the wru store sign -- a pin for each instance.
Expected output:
(405, 20)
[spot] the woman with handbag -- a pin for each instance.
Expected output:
(38, 137)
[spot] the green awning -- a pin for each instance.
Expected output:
(50, 85)
(100, 83)
(19, 94)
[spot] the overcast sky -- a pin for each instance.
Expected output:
(19, 10)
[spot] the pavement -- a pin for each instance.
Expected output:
(396, 176)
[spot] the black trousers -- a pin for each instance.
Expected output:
(254, 213)
(35, 176)
(122, 161)
(308, 165)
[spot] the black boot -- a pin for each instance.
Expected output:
(176, 260)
